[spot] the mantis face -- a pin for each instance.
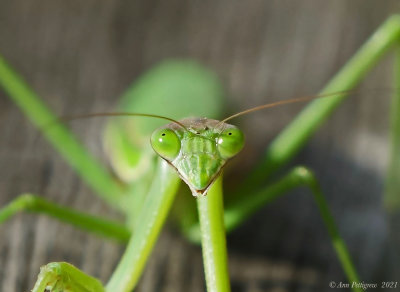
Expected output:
(198, 151)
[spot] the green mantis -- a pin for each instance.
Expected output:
(151, 184)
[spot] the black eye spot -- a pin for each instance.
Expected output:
(163, 134)
(229, 133)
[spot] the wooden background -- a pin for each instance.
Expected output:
(80, 56)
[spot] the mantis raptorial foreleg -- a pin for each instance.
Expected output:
(95, 224)
(213, 242)
(149, 223)
(64, 277)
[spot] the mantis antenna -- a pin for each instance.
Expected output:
(121, 114)
(283, 102)
(250, 110)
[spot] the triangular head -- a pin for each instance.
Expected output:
(198, 149)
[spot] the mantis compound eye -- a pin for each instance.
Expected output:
(166, 143)
(230, 142)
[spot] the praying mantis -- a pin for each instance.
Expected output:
(161, 183)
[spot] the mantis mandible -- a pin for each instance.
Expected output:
(151, 184)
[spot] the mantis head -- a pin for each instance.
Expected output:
(199, 150)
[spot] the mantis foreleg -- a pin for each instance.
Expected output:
(148, 226)
(64, 277)
(213, 239)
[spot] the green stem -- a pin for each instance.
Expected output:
(93, 173)
(292, 139)
(392, 191)
(100, 226)
(213, 241)
(147, 229)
